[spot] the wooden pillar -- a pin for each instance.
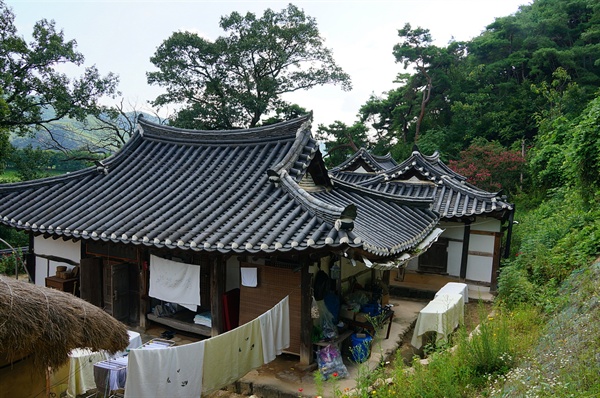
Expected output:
(386, 277)
(465, 250)
(306, 323)
(217, 288)
(511, 221)
(144, 283)
(496, 261)
(30, 263)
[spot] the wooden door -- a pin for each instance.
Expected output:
(116, 290)
(435, 259)
(90, 279)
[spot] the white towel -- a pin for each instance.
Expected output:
(170, 372)
(275, 329)
(175, 282)
(231, 355)
(249, 277)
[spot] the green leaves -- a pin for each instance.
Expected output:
(239, 78)
(341, 141)
(31, 82)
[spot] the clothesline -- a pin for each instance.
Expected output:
(180, 372)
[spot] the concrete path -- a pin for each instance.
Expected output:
(284, 378)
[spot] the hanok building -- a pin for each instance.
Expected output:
(473, 220)
(220, 202)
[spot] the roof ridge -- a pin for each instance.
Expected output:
(364, 154)
(402, 199)
(320, 208)
(302, 135)
(269, 132)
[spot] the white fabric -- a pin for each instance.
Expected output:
(169, 372)
(441, 315)
(455, 288)
(175, 282)
(231, 355)
(204, 319)
(249, 276)
(135, 340)
(79, 372)
(275, 329)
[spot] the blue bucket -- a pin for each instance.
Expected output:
(360, 347)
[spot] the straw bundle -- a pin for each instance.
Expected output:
(47, 324)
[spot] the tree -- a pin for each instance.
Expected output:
(31, 83)
(433, 65)
(341, 141)
(239, 78)
(285, 112)
(488, 165)
(30, 163)
(583, 156)
(547, 158)
(416, 50)
(112, 127)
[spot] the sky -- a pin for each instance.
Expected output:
(120, 36)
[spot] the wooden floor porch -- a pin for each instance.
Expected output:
(418, 285)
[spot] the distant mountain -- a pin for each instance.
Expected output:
(66, 133)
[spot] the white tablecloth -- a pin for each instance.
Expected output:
(441, 315)
(135, 340)
(77, 377)
(455, 288)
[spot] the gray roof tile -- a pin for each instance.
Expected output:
(422, 176)
(225, 191)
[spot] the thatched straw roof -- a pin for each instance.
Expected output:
(47, 324)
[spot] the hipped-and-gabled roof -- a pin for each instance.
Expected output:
(422, 176)
(227, 191)
(365, 161)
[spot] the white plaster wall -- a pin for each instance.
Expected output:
(452, 230)
(50, 247)
(482, 243)
(486, 224)
(454, 258)
(479, 268)
(233, 274)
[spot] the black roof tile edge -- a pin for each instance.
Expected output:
(361, 154)
(222, 137)
(405, 200)
(327, 212)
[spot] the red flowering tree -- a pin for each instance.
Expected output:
(490, 166)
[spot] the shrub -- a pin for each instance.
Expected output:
(514, 287)
(10, 262)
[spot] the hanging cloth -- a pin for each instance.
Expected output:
(169, 372)
(175, 282)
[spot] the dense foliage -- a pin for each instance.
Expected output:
(239, 78)
(31, 82)
(521, 84)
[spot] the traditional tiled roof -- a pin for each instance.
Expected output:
(366, 162)
(422, 176)
(255, 190)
